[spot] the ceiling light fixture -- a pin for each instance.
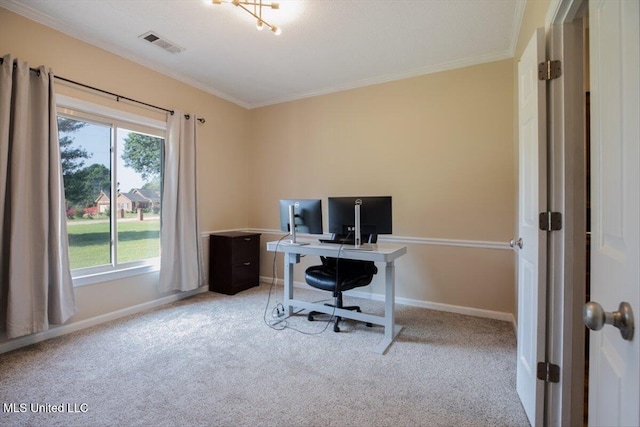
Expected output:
(256, 13)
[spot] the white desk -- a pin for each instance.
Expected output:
(383, 252)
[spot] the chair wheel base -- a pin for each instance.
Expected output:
(336, 328)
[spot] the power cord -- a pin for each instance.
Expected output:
(278, 312)
(274, 275)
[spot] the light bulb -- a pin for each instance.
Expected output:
(259, 25)
(277, 31)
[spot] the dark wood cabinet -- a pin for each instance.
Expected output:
(234, 261)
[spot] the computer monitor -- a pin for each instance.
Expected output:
(375, 216)
(306, 215)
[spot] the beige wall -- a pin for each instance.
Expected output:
(223, 149)
(440, 144)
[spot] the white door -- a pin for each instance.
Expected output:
(614, 363)
(532, 243)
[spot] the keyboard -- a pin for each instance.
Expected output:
(348, 245)
(338, 241)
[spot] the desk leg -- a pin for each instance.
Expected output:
(289, 261)
(391, 330)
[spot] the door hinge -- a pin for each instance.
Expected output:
(549, 70)
(548, 372)
(550, 221)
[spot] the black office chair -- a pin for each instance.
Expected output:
(338, 275)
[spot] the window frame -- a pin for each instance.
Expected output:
(78, 109)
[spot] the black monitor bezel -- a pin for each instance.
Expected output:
(376, 220)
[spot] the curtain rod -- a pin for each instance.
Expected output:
(118, 97)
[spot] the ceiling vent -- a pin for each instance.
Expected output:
(162, 42)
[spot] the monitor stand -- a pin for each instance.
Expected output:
(292, 228)
(358, 246)
(293, 243)
(362, 247)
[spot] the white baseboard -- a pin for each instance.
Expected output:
(468, 311)
(57, 331)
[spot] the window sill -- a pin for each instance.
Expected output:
(107, 276)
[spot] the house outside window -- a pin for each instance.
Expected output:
(112, 171)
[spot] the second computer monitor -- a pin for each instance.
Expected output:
(308, 215)
(375, 215)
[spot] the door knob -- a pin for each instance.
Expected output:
(519, 243)
(595, 318)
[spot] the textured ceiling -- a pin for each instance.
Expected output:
(325, 45)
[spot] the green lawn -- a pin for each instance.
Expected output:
(89, 241)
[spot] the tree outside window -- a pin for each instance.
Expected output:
(110, 225)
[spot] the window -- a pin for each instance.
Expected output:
(112, 171)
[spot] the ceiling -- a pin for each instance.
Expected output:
(325, 45)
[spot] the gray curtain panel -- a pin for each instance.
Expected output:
(180, 241)
(36, 289)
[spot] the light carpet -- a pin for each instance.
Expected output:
(210, 360)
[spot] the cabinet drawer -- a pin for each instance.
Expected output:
(244, 249)
(246, 273)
